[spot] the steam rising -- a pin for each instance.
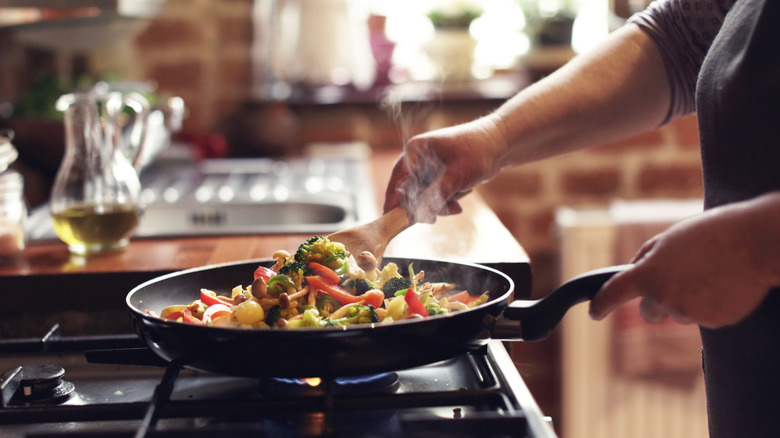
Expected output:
(421, 192)
(473, 278)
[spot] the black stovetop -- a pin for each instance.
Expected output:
(478, 394)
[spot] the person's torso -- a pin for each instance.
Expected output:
(738, 105)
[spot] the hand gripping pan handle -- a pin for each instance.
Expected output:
(533, 320)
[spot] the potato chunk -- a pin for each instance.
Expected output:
(249, 312)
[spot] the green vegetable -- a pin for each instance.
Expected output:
(362, 286)
(311, 319)
(357, 314)
(295, 270)
(395, 284)
(281, 283)
(274, 314)
(433, 308)
(322, 250)
(326, 305)
(389, 271)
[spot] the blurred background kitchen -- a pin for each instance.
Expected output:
(268, 78)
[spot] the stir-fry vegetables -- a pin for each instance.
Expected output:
(323, 285)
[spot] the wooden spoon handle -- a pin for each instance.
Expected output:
(392, 223)
(374, 236)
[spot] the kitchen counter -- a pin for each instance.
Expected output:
(46, 278)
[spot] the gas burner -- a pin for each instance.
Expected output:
(42, 384)
(375, 383)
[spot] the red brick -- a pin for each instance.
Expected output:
(180, 78)
(246, 4)
(670, 179)
(235, 31)
(509, 216)
(234, 76)
(515, 183)
(241, 3)
(385, 137)
(541, 222)
(644, 141)
(686, 132)
(195, 120)
(591, 182)
(170, 33)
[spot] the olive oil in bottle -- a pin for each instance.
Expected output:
(95, 200)
(89, 228)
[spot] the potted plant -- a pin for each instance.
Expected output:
(451, 50)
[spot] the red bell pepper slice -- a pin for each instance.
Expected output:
(210, 298)
(215, 311)
(372, 297)
(414, 303)
(264, 272)
(327, 274)
(174, 316)
(187, 316)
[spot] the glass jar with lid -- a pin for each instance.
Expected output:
(13, 208)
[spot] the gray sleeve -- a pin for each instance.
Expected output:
(684, 31)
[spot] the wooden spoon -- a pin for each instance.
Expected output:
(373, 236)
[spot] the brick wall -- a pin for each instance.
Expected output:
(662, 163)
(196, 49)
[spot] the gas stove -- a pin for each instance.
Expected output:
(112, 385)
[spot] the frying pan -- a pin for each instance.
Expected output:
(350, 351)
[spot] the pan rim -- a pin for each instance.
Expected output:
(504, 297)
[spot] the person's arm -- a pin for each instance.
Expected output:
(713, 269)
(619, 89)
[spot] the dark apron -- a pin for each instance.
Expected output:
(738, 106)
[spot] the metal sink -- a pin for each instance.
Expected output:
(269, 217)
(247, 196)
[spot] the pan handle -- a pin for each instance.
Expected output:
(533, 320)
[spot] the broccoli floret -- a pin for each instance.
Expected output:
(322, 250)
(357, 314)
(276, 313)
(273, 315)
(389, 271)
(295, 270)
(362, 286)
(433, 308)
(395, 284)
(311, 318)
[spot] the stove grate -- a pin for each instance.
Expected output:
(485, 409)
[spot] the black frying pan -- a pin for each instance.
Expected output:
(352, 351)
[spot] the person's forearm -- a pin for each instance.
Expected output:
(614, 91)
(762, 225)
